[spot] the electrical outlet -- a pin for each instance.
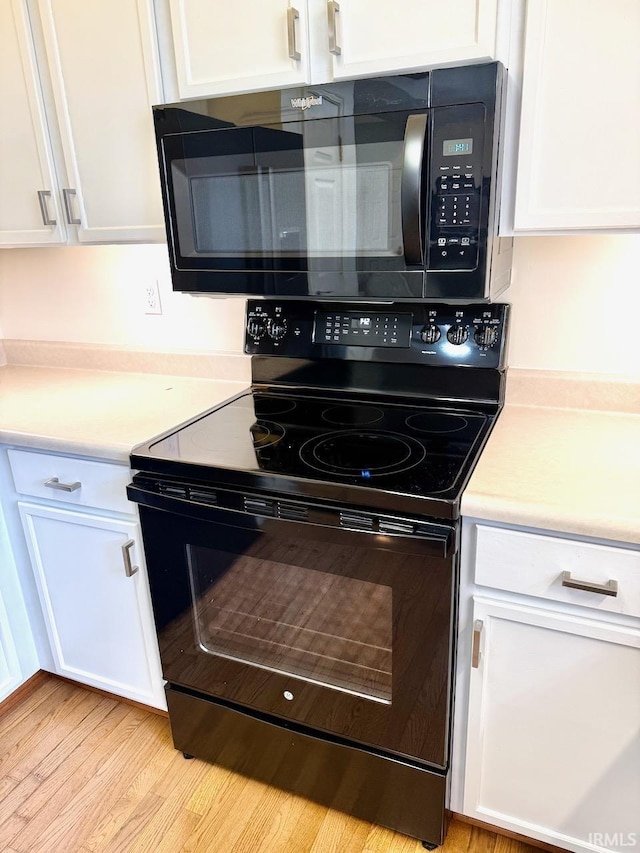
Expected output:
(152, 298)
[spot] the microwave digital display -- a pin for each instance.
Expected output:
(454, 147)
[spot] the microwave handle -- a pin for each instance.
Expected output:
(410, 191)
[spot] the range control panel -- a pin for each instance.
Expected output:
(433, 334)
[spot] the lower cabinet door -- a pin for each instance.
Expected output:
(95, 599)
(553, 743)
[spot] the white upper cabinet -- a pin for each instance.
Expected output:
(579, 155)
(29, 203)
(239, 46)
(244, 46)
(377, 36)
(77, 150)
(103, 64)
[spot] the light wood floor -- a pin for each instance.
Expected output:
(82, 772)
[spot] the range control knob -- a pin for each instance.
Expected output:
(457, 335)
(256, 327)
(277, 329)
(430, 334)
(486, 336)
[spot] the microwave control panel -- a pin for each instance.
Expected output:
(456, 183)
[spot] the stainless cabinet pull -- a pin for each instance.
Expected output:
(608, 588)
(292, 17)
(43, 195)
(129, 568)
(66, 195)
(475, 652)
(54, 483)
(333, 8)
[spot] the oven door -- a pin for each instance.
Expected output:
(343, 631)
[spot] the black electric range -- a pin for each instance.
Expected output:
(357, 418)
(302, 547)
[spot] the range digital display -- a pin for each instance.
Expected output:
(365, 330)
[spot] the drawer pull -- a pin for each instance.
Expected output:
(54, 483)
(608, 588)
(475, 651)
(129, 569)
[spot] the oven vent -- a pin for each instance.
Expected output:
(203, 497)
(172, 490)
(292, 512)
(357, 522)
(402, 527)
(257, 506)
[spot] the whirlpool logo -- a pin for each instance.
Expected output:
(305, 103)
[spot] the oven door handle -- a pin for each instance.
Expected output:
(415, 135)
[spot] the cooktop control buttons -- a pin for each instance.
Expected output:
(457, 335)
(430, 334)
(256, 327)
(277, 328)
(486, 336)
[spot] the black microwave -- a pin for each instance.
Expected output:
(378, 188)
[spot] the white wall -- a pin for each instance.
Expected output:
(572, 297)
(575, 302)
(95, 294)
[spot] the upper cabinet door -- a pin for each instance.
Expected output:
(239, 46)
(378, 36)
(29, 211)
(104, 68)
(579, 158)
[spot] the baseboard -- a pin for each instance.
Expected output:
(507, 833)
(106, 693)
(23, 691)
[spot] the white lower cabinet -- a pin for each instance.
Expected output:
(547, 729)
(94, 599)
(553, 744)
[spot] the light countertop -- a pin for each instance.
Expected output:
(568, 470)
(97, 412)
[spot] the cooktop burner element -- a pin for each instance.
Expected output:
(265, 433)
(272, 405)
(352, 415)
(362, 454)
(436, 422)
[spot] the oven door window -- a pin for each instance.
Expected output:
(339, 630)
(265, 610)
(321, 195)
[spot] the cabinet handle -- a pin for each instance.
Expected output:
(66, 195)
(333, 8)
(129, 568)
(292, 17)
(43, 195)
(475, 651)
(54, 483)
(608, 588)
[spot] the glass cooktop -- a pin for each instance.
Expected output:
(415, 450)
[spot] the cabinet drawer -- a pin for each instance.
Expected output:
(533, 564)
(44, 475)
